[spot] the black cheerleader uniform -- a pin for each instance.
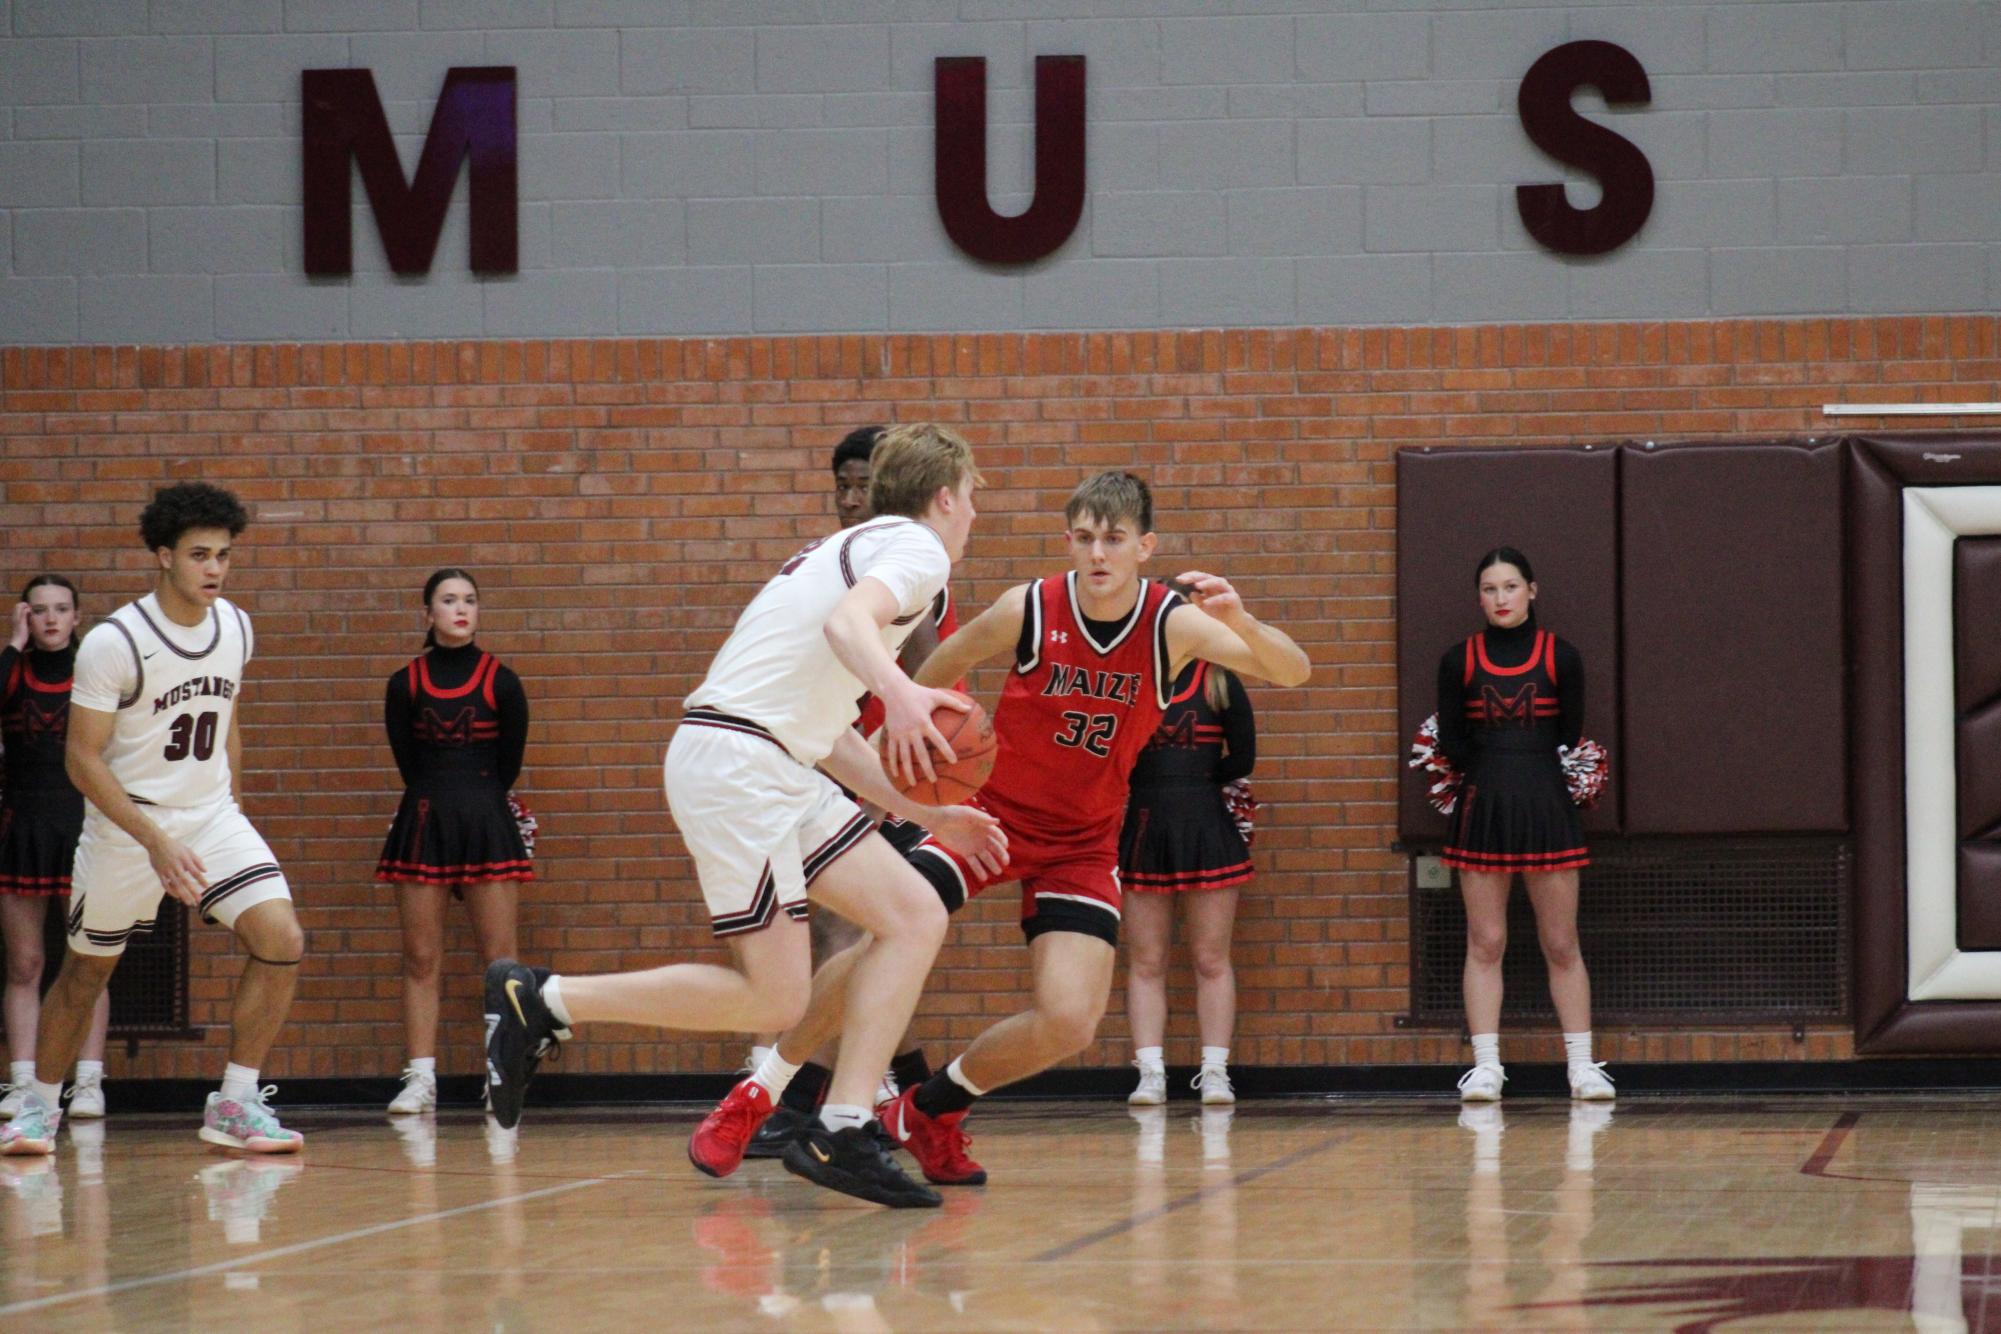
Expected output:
(1506, 700)
(41, 812)
(1178, 833)
(458, 723)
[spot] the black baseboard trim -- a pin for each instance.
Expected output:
(1750, 1079)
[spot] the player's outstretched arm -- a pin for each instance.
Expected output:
(854, 631)
(181, 872)
(971, 833)
(1229, 636)
(993, 632)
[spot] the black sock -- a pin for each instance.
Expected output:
(942, 1094)
(803, 1094)
(909, 1069)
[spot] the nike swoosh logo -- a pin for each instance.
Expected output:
(816, 1152)
(147, 657)
(902, 1130)
(512, 988)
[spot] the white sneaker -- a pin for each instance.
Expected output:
(1152, 1090)
(420, 1093)
(1482, 1084)
(16, 1094)
(86, 1096)
(1213, 1081)
(1590, 1083)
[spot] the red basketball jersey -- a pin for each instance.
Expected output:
(1075, 714)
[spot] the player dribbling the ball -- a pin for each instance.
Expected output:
(1095, 653)
(766, 828)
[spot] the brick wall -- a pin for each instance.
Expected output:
(621, 499)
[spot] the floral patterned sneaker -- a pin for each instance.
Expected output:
(247, 1124)
(32, 1130)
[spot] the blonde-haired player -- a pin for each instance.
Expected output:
(766, 828)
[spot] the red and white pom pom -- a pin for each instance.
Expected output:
(524, 820)
(1243, 807)
(1443, 793)
(1585, 766)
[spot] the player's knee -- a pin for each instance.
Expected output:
(1486, 945)
(1146, 961)
(1072, 1025)
(275, 938)
(920, 918)
(779, 1008)
(85, 975)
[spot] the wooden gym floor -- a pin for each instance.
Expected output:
(1802, 1213)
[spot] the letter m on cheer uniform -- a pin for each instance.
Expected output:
(473, 123)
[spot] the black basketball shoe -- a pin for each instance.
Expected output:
(520, 1031)
(851, 1160)
(784, 1125)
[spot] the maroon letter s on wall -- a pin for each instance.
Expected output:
(474, 120)
(1622, 169)
(962, 161)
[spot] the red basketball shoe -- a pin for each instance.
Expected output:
(717, 1145)
(936, 1142)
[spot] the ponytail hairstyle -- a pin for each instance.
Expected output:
(431, 587)
(1504, 556)
(1216, 687)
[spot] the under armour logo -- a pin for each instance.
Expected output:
(1059, 636)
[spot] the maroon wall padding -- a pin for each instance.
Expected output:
(1976, 622)
(1559, 507)
(1976, 633)
(1733, 655)
(1887, 1023)
(1979, 896)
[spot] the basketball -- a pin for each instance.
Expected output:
(971, 736)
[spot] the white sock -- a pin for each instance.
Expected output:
(21, 1073)
(1577, 1048)
(87, 1068)
(759, 1054)
(552, 996)
(239, 1082)
(50, 1094)
(774, 1072)
(425, 1065)
(1486, 1049)
(843, 1116)
(1150, 1058)
(957, 1075)
(1215, 1056)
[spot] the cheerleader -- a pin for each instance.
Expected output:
(457, 722)
(41, 816)
(1508, 697)
(1181, 841)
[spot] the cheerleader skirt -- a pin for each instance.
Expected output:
(454, 837)
(38, 847)
(1515, 814)
(1179, 838)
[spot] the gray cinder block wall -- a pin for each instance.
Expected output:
(733, 166)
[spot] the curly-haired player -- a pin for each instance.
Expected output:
(154, 748)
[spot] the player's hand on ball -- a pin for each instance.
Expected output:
(909, 736)
(972, 833)
(181, 872)
(1214, 595)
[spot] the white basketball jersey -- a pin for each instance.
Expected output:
(174, 690)
(777, 669)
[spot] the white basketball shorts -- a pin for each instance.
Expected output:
(759, 824)
(115, 893)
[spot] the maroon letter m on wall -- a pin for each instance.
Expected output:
(473, 123)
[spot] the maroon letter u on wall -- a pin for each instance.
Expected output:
(962, 161)
(472, 123)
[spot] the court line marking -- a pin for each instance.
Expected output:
(1830, 1144)
(1066, 1249)
(259, 1257)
